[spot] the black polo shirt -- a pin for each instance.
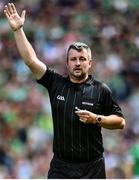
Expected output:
(74, 140)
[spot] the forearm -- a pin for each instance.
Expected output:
(25, 49)
(108, 122)
(112, 122)
(28, 54)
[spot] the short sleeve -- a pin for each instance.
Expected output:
(109, 103)
(49, 79)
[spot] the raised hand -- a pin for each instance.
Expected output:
(15, 21)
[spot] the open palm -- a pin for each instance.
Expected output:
(13, 17)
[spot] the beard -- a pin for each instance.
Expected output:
(78, 75)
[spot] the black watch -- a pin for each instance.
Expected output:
(98, 120)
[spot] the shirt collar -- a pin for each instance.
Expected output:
(88, 81)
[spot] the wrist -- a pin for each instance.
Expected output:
(98, 120)
(16, 29)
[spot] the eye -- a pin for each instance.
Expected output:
(82, 58)
(73, 59)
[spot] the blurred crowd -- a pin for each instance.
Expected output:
(111, 29)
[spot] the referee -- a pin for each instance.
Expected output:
(81, 106)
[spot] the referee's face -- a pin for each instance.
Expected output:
(78, 64)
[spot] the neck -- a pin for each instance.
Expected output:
(78, 79)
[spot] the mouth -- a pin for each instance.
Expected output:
(77, 69)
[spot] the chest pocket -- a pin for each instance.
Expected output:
(89, 104)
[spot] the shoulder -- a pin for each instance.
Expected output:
(102, 86)
(51, 79)
(50, 73)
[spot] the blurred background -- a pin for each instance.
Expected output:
(111, 28)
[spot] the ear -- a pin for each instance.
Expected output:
(66, 63)
(92, 63)
(92, 66)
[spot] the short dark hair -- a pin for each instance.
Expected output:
(79, 46)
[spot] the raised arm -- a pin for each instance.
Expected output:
(25, 49)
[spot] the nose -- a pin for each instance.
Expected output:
(77, 62)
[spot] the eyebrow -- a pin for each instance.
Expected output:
(79, 57)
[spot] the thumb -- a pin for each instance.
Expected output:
(23, 14)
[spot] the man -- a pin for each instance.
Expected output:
(80, 107)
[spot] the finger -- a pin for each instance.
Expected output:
(83, 120)
(83, 112)
(13, 8)
(83, 116)
(10, 8)
(6, 14)
(23, 14)
(7, 10)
